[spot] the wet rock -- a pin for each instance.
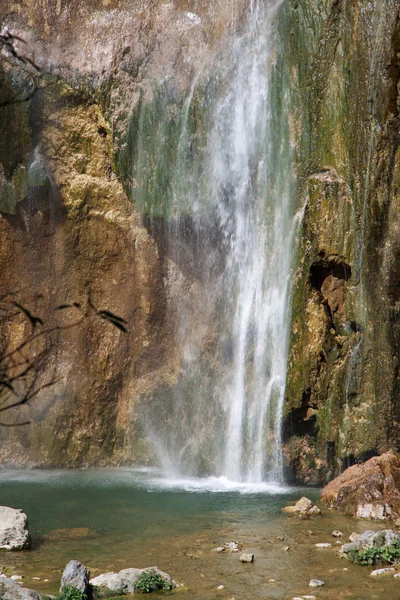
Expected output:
(337, 534)
(124, 581)
(10, 590)
(76, 575)
(303, 507)
(247, 558)
(369, 491)
(232, 546)
(371, 539)
(316, 583)
(14, 533)
(384, 571)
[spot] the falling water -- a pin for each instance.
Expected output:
(241, 180)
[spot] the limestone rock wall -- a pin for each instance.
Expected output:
(69, 119)
(342, 392)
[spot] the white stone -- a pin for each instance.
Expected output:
(232, 546)
(324, 545)
(316, 583)
(220, 587)
(247, 558)
(337, 534)
(378, 572)
(221, 549)
(14, 533)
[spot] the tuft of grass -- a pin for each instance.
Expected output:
(151, 581)
(68, 592)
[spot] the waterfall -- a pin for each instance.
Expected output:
(237, 181)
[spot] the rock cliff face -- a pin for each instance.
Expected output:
(342, 392)
(71, 104)
(69, 127)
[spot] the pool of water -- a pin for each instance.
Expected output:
(112, 519)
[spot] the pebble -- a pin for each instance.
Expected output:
(220, 587)
(232, 546)
(271, 580)
(337, 534)
(280, 538)
(247, 558)
(309, 598)
(36, 578)
(378, 572)
(16, 577)
(316, 583)
(397, 575)
(323, 545)
(286, 548)
(221, 549)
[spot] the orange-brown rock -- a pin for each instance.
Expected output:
(370, 490)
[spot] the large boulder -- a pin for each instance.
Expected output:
(370, 490)
(10, 590)
(371, 539)
(14, 533)
(124, 581)
(75, 575)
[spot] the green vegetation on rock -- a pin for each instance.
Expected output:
(151, 581)
(369, 556)
(69, 592)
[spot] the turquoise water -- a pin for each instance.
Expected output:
(118, 518)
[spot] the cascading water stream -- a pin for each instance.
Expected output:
(245, 186)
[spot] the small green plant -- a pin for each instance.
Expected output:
(151, 581)
(369, 556)
(68, 592)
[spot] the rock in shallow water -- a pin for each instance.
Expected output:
(384, 571)
(303, 507)
(14, 533)
(247, 558)
(124, 581)
(316, 583)
(75, 575)
(371, 539)
(370, 490)
(10, 590)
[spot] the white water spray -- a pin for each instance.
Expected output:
(248, 191)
